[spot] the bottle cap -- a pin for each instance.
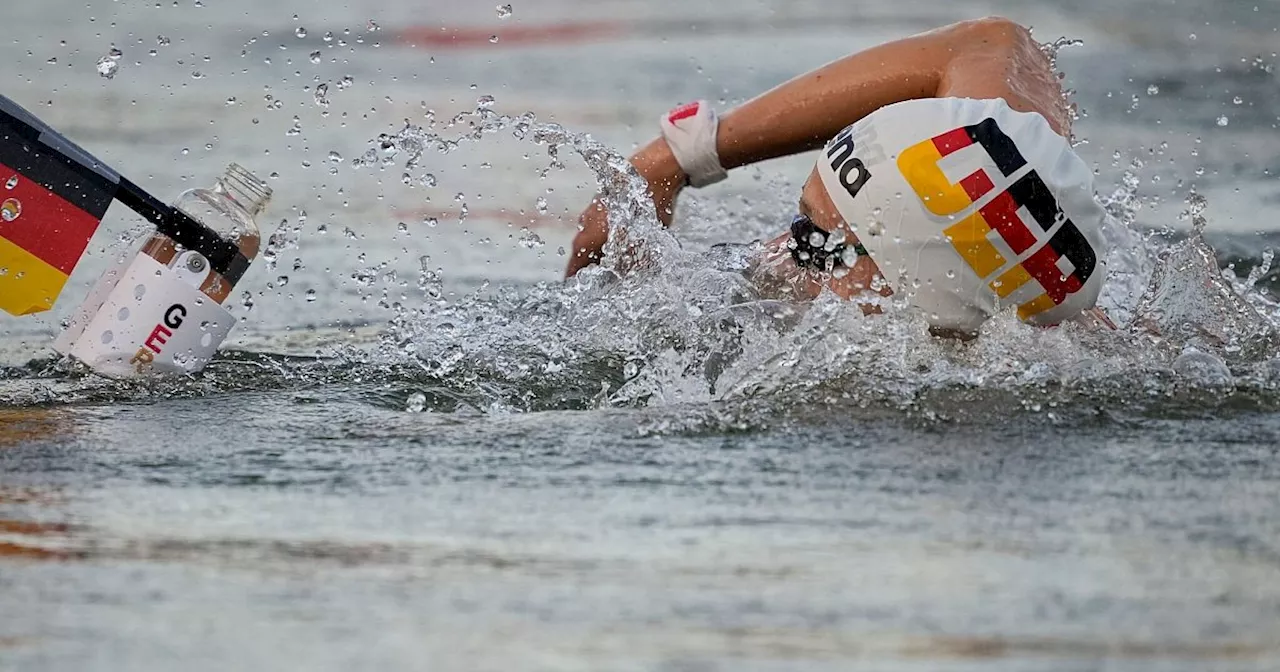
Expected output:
(245, 188)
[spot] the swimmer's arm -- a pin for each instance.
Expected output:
(802, 114)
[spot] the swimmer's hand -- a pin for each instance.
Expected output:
(657, 165)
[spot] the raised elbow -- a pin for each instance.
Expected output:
(993, 29)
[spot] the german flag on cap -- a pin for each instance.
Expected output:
(53, 195)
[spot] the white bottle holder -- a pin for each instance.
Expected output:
(143, 318)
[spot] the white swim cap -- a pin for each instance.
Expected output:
(967, 207)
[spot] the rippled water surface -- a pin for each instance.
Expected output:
(420, 450)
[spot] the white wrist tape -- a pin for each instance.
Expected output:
(690, 131)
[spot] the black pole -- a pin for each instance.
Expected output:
(40, 139)
(223, 255)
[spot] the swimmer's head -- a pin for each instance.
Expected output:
(965, 207)
(859, 272)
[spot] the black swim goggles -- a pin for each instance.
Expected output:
(811, 247)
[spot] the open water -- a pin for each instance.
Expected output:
(420, 450)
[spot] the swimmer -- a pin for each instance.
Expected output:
(945, 176)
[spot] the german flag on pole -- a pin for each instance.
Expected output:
(53, 195)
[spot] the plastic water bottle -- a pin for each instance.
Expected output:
(228, 209)
(161, 311)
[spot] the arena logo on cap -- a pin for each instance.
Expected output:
(851, 170)
(1061, 266)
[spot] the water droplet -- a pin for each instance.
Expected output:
(416, 402)
(246, 300)
(231, 101)
(162, 40)
(196, 74)
(315, 58)
(430, 222)
(115, 54)
(300, 32)
(345, 82)
(504, 11)
(1237, 100)
(541, 204)
(310, 295)
(321, 96)
(10, 210)
(530, 240)
(493, 39)
(372, 26)
(53, 60)
(13, 182)
(1153, 90)
(282, 281)
(328, 37)
(428, 180)
(335, 157)
(402, 227)
(107, 67)
(1223, 120)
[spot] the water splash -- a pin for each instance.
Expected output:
(1068, 106)
(657, 324)
(1052, 49)
(1199, 305)
(285, 237)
